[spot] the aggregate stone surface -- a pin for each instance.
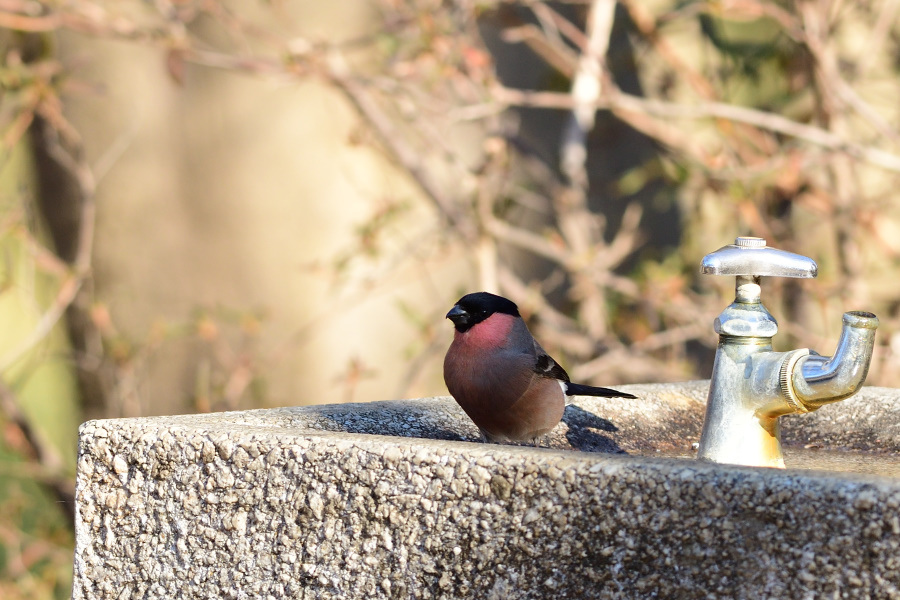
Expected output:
(355, 501)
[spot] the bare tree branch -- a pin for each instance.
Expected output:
(707, 110)
(586, 91)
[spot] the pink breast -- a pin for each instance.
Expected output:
(490, 333)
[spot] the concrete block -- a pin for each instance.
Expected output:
(310, 503)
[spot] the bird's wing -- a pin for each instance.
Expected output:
(545, 366)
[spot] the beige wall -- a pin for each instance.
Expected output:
(224, 192)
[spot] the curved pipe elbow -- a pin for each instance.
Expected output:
(819, 380)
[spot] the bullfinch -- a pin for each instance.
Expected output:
(501, 377)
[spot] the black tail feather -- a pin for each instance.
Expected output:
(576, 389)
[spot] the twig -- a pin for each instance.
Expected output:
(64, 297)
(815, 37)
(52, 465)
(80, 269)
(84, 176)
(19, 22)
(637, 353)
(524, 239)
(557, 55)
(884, 21)
(706, 110)
(546, 14)
(531, 301)
(627, 366)
(626, 240)
(645, 23)
(339, 75)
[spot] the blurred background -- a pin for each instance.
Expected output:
(212, 206)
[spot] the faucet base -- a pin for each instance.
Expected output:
(758, 445)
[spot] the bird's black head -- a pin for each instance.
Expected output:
(472, 309)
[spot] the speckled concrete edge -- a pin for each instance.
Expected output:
(171, 507)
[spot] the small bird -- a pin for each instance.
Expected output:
(501, 377)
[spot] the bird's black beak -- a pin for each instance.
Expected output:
(457, 314)
(462, 319)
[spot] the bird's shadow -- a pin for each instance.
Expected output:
(584, 431)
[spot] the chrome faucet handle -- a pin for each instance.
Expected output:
(751, 257)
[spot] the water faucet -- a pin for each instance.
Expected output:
(751, 385)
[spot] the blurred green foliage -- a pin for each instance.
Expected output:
(35, 531)
(36, 537)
